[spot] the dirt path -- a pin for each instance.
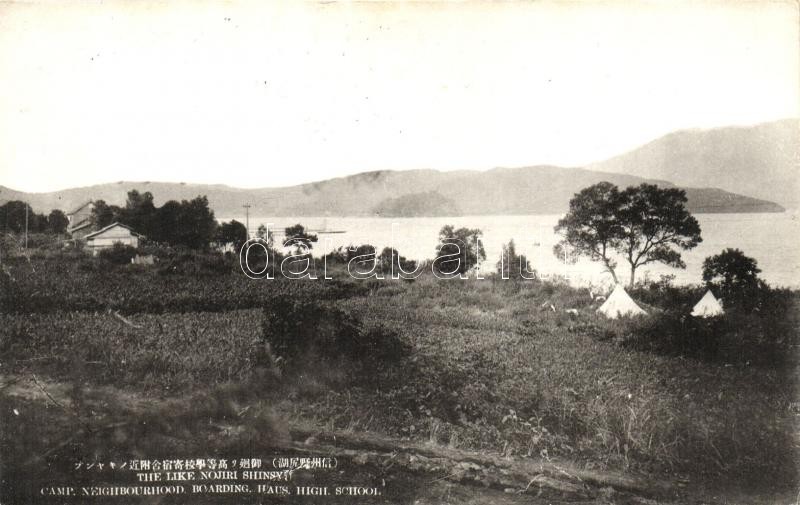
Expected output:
(48, 424)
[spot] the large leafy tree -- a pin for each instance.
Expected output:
(297, 236)
(139, 212)
(362, 255)
(591, 228)
(512, 265)
(233, 232)
(187, 223)
(732, 272)
(13, 218)
(391, 261)
(643, 224)
(266, 235)
(104, 214)
(655, 226)
(57, 221)
(196, 223)
(459, 250)
(166, 223)
(299, 262)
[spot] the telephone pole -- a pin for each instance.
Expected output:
(26, 225)
(247, 218)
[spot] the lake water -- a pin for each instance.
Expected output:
(772, 239)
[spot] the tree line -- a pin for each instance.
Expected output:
(188, 223)
(641, 224)
(13, 219)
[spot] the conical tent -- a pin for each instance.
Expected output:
(620, 304)
(708, 306)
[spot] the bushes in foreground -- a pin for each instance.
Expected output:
(669, 333)
(760, 330)
(50, 286)
(119, 254)
(151, 351)
(300, 328)
(544, 382)
(491, 370)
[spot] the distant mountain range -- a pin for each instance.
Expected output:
(429, 204)
(501, 191)
(716, 167)
(761, 161)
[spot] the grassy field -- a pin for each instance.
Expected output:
(474, 365)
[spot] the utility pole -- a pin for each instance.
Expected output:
(26, 225)
(247, 218)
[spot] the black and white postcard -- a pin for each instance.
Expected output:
(391, 252)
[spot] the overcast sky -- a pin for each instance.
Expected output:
(258, 95)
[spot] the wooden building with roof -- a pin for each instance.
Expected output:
(80, 221)
(115, 233)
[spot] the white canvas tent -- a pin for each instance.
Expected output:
(708, 306)
(620, 304)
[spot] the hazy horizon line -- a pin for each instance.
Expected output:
(423, 169)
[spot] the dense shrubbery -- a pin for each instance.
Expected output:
(40, 245)
(734, 276)
(512, 265)
(297, 326)
(49, 286)
(118, 254)
(385, 262)
(669, 333)
(195, 349)
(459, 250)
(760, 329)
(497, 370)
(301, 328)
(663, 295)
(183, 262)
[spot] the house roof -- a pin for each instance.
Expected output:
(83, 224)
(113, 225)
(79, 208)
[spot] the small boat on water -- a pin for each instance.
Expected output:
(326, 230)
